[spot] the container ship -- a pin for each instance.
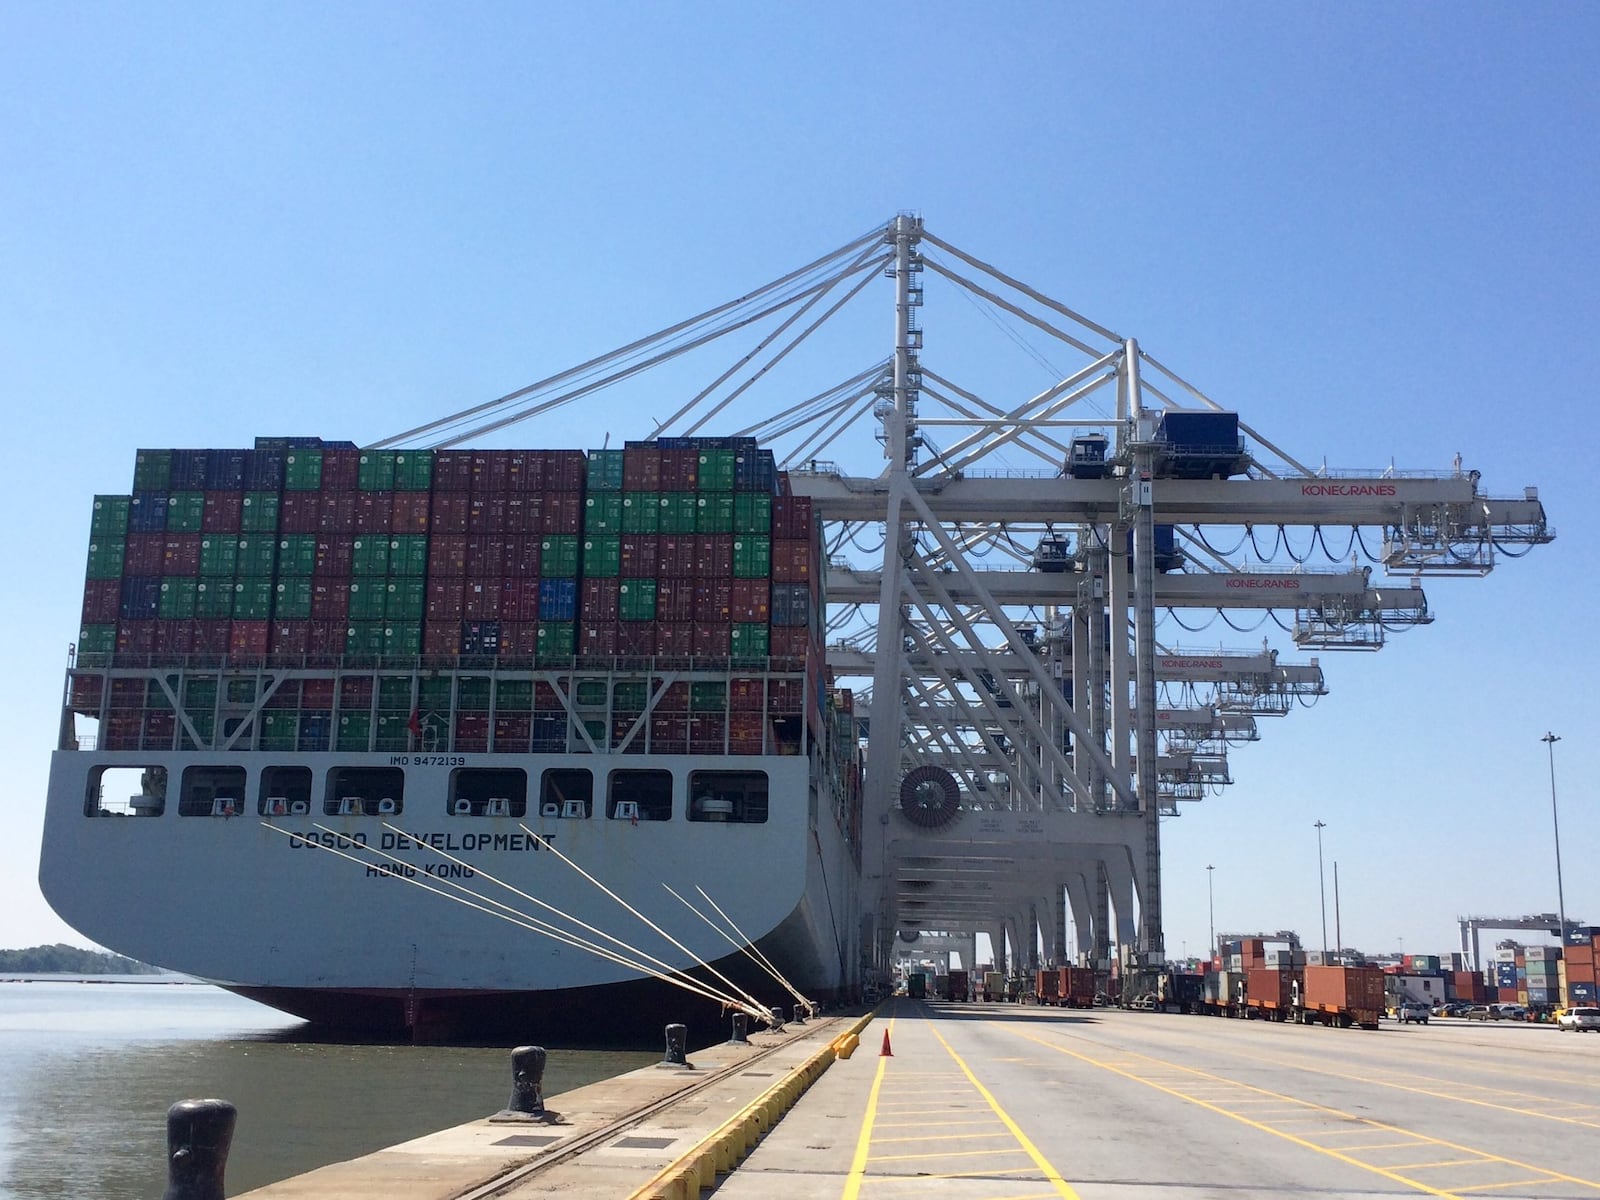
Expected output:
(446, 666)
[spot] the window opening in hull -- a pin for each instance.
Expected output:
(364, 791)
(570, 791)
(640, 796)
(211, 791)
(488, 792)
(729, 797)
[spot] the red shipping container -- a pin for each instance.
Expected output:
(599, 600)
(211, 637)
(791, 516)
(713, 556)
(487, 514)
(564, 471)
(639, 555)
(300, 512)
(793, 560)
(247, 641)
(174, 639)
(221, 512)
(675, 557)
(522, 554)
(745, 733)
(285, 695)
(472, 732)
(442, 638)
(355, 691)
(180, 555)
(675, 638)
(680, 470)
(122, 731)
(482, 598)
(330, 600)
(636, 639)
(785, 696)
(341, 470)
(597, 639)
(518, 508)
(318, 693)
(452, 471)
(520, 638)
(560, 512)
(675, 599)
(291, 639)
(490, 471)
(789, 642)
(708, 733)
(102, 601)
(641, 469)
(409, 512)
(450, 512)
(136, 638)
(531, 479)
(486, 556)
(142, 553)
(513, 733)
(160, 728)
(337, 513)
(669, 734)
(335, 553)
(745, 694)
(712, 639)
(750, 600)
(87, 693)
(713, 600)
(544, 694)
(447, 599)
(520, 599)
(447, 555)
(375, 512)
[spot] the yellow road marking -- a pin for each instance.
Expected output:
(1486, 1187)
(858, 1161)
(919, 1177)
(1549, 1175)
(883, 1158)
(942, 1137)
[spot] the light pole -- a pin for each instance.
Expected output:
(1550, 740)
(1211, 906)
(1322, 891)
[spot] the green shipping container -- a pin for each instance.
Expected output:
(375, 472)
(708, 696)
(716, 470)
(602, 556)
(590, 692)
(605, 471)
(258, 512)
(513, 695)
(219, 556)
(402, 639)
(257, 557)
(394, 731)
(105, 559)
(297, 554)
(413, 471)
(156, 695)
(679, 512)
(252, 600)
(629, 695)
(641, 512)
(752, 557)
(302, 471)
(557, 640)
(152, 470)
(433, 695)
(293, 599)
(369, 556)
(110, 517)
(200, 695)
(213, 598)
(186, 512)
(394, 691)
(752, 513)
(472, 693)
(177, 601)
(408, 554)
(368, 599)
(749, 640)
(241, 691)
(363, 639)
(714, 513)
(354, 732)
(406, 600)
(602, 512)
(636, 600)
(97, 639)
(558, 556)
(280, 730)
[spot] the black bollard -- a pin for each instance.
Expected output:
(527, 1088)
(799, 1014)
(677, 1037)
(199, 1133)
(741, 1026)
(777, 1020)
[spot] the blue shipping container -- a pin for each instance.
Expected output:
(147, 512)
(558, 600)
(189, 470)
(263, 471)
(1202, 430)
(225, 470)
(1583, 993)
(141, 598)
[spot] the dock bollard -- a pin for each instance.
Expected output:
(199, 1133)
(677, 1038)
(741, 1025)
(799, 1014)
(777, 1020)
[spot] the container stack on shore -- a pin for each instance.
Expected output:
(387, 601)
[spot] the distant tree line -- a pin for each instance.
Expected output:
(70, 960)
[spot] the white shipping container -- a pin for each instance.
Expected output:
(1541, 952)
(1507, 954)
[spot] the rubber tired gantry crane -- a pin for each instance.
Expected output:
(1025, 729)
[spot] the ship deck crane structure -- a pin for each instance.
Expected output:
(1025, 727)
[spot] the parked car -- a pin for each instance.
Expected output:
(1455, 1008)
(1510, 1012)
(1580, 1018)
(1411, 1010)
(1481, 1012)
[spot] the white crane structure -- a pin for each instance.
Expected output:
(1012, 635)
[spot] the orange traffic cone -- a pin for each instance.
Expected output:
(886, 1052)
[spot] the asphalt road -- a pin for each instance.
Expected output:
(1009, 1103)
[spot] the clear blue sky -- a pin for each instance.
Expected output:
(1369, 227)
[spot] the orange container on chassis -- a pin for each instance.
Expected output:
(1344, 995)
(1269, 993)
